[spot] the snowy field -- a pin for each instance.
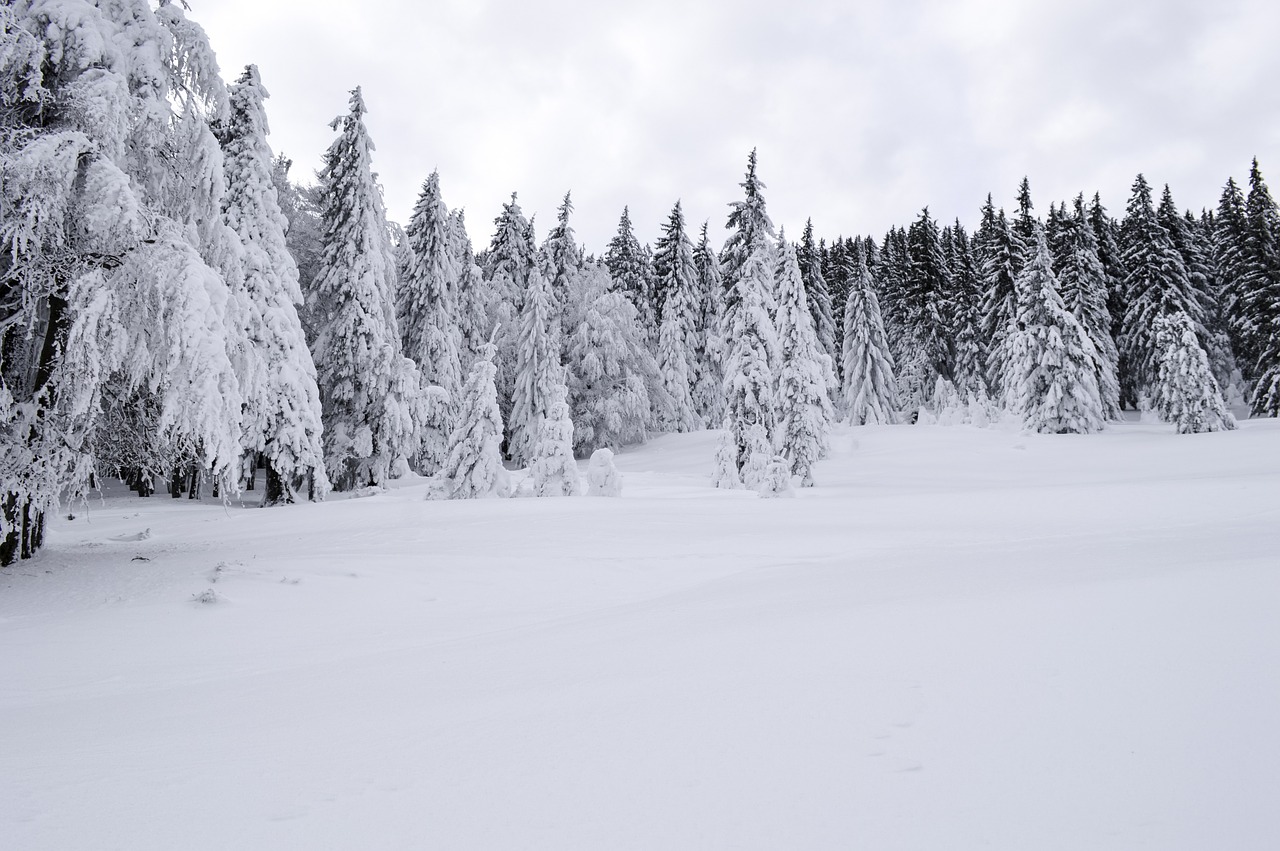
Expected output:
(961, 639)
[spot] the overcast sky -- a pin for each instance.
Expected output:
(862, 112)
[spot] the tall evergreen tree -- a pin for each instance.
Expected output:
(508, 263)
(821, 305)
(711, 339)
(1156, 284)
(750, 392)
(802, 383)
(749, 372)
(103, 296)
(923, 311)
(537, 370)
(282, 415)
(613, 376)
(1107, 233)
(562, 258)
(370, 392)
(997, 256)
(1023, 227)
(677, 336)
(1083, 284)
(890, 274)
(1231, 235)
(1185, 392)
(474, 467)
(965, 307)
(473, 320)
(553, 469)
(1260, 292)
(1201, 276)
(1049, 365)
(632, 274)
(427, 296)
(750, 231)
(870, 387)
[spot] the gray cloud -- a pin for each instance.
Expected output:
(863, 113)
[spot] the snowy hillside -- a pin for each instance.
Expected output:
(961, 638)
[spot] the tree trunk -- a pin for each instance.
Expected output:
(24, 530)
(276, 492)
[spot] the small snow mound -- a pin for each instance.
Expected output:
(399, 468)
(370, 490)
(206, 597)
(603, 478)
(776, 481)
(522, 487)
(136, 536)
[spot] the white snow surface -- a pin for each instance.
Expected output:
(960, 638)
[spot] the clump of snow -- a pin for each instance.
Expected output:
(776, 481)
(603, 478)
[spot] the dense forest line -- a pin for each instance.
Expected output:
(175, 311)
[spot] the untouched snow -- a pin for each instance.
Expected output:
(961, 638)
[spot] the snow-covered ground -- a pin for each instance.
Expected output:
(961, 638)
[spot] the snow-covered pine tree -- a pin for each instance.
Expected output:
(473, 321)
(1260, 292)
(750, 232)
(1200, 275)
(1231, 234)
(553, 469)
(925, 314)
(724, 470)
(748, 263)
(870, 388)
(104, 296)
(1186, 393)
(632, 275)
(1082, 281)
(710, 348)
(613, 375)
(802, 382)
(965, 309)
(427, 296)
(511, 257)
(282, 413)
(750, 386)
(677, 337)
(603, 478)
(821, 304)
(1107, 232)
(1023, 227)
(561, 260)
(836, 284)
(537, 370)
(1156, 284)
(1202, 233)
(890, 275)
(370, 392)
(1049, 380)
(997, 256)
(474, 467)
